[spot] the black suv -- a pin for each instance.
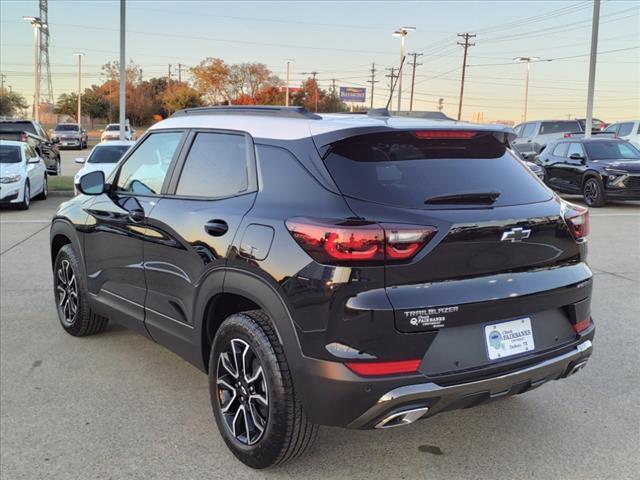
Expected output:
(600, 169)
(358, 271)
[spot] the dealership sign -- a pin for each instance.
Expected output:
(352, 94)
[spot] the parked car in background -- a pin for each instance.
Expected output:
(533, 137)
(363, 271)
(597, 125)
(600, 169)
(70, 135)
(536, 169)
(629, 131)
(112, 132)
(103, 157)
(23, 174)
(32, 132)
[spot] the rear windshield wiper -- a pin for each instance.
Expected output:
(477, 198)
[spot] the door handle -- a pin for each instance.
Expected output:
(136, 215)
(216, 228)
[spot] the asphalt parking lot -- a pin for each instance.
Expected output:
(119, 406)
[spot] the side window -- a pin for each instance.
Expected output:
(612, 128)
(561, 150)
(625, 129)
(216, 166)
(518, 130)
(575, 148)
(145, 170)
(528, 130)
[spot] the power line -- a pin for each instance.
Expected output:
(466, 46)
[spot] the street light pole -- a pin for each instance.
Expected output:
(37, 24)
(528, 61)
(123, 98)
(595, 24)
(79, 55)
(401, 32)
(286, 102)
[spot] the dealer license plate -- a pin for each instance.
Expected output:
(509, 338)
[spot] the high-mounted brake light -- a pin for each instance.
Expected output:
(374, 369)
(335, 242)
(444, 134)
(577, 219)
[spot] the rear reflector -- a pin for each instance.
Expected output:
(582, 325)
(346, 241)
(444, 134)
(577, 219)
(372, 369)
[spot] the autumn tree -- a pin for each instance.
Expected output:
(311, 97)
(179, 95)
(211, 80)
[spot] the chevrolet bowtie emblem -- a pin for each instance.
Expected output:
(515, 235)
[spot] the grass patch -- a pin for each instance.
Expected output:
(64, 184)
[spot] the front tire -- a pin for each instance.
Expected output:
(593, 192)
(26, 197)
(254, 403)
(72, 296)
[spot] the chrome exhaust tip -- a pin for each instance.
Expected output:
(576, 368)
(402, 418)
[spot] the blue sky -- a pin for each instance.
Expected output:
(341, 39)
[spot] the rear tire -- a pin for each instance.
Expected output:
(593, 192)
(72, 296)
(277, 429)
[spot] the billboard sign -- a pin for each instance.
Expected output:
(353, 94)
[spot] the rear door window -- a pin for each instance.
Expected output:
(528, 130)
(561, 150)
(625, 129)
(404, 170)
(575, 148)
(612, 128)
(559, 127)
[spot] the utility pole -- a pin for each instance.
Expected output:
(180, 72)
(333, 85)
(2, 77)
(401, 32)
(373, 81)
(391, 76)
(315, 93)
(286, 96)
(79, 115)
(123, 78)
(169, 75)
(413, 76)
(466, 46)
(595, 24)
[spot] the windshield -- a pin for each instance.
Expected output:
(559, 127)
(10, 154)
(612, 151)
(111, 128)
(404, 170)
(66, 128)
(18, 127)
(107, 154)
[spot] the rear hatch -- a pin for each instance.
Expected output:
(499, 236)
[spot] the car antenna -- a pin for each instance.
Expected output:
(393, 85)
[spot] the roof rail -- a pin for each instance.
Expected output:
(287, 112)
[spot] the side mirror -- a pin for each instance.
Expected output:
(92, 183)
(576, 156)
(34, 160)
(80, 160)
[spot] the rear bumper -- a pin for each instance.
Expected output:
(431, 398)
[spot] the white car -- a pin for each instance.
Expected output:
(23, 174)
(112, 132)
(629, 131)
(104, 157)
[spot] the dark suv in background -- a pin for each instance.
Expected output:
(349, 270)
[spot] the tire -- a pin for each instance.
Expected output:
(593, 192)
(72, 296)
(26, 197)
(268, 396)
(45, 190)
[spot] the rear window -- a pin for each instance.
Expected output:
(18, 127)
(559, 127)
(403, 170)
(111, 128)
(107, 154)
(66, 128)
(600, 150)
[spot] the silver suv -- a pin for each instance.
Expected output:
(533, 137)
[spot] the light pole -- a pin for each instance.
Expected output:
(286, 102)
(79, 55)
(595, 24)
(401, 32)
(123, 86)
(37, 24)
(528, 61)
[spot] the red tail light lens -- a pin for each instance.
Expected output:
(577, 219)
(567, 135)
(374, 369)
(444, 134)
(23, 137)
(335, 242)
(582, 325)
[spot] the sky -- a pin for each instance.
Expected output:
(341, 40)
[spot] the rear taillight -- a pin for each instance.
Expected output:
(567, 135)
(582, 325)
(444, 134)
(577, 219)
(374, 369)
(347, 241)
(23, 137)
